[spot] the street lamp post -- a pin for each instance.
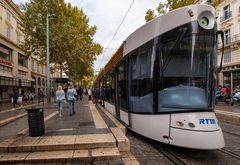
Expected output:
(48, 60)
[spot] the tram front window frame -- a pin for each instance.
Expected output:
(186, 69)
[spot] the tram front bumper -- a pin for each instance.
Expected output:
(206, 140)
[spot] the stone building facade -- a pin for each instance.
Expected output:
(228, 20)
(16, 70)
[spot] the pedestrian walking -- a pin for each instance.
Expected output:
(75, 95)
(71, 99)
(79, 92)
(89, 94)
(31, 97)
(25, 97)
(40, 97)
(15, 98)
(60, 96)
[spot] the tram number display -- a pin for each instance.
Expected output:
(207, 121)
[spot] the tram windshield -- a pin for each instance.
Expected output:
(186, 71)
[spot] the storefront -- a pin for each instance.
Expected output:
(8, 84)
(231, 78)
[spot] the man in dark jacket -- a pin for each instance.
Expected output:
(15, 98)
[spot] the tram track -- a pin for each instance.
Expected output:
(230, 153)
(167, 153)
(160, 148)
(234, 134)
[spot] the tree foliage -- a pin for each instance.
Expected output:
(149, 15)
(173, 4)
(72, 48)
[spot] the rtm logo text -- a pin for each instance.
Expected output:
(207, 121)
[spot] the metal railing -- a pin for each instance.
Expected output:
(226, 16)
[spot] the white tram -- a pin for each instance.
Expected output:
(161, 81)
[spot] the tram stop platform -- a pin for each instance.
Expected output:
(90, 136)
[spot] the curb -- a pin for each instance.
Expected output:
(230, 117)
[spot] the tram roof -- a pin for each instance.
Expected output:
(116, 57)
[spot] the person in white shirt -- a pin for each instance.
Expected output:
(89, 94)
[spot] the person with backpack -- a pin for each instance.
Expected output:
(71, 99)
(15, 98)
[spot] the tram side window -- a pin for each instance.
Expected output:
(141, 82)
(108, 88)
(122, 86)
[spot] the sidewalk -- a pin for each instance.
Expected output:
(83, 137)
(228, 113)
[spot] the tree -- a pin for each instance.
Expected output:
(149, 15)
(162, 8)
(216, 3)
(71, 37)
(174, 4)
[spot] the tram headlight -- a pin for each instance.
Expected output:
(179, 123)
(206, 20)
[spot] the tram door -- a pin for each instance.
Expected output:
(122, 91)
(116, 95)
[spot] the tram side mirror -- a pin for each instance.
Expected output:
(221, 33)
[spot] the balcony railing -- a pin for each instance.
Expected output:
(226, 16)
(231, 39)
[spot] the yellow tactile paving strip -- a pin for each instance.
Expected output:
(129, 159)
(114, 120)
(122, 141)
(99, 122)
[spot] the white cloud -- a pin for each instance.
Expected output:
(107, 15)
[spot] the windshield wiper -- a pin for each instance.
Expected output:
(179, 38)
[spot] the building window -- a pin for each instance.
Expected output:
(18, 38)
(42, 68)
(35, 66)
(227, 13)
(5, 70)
(5, 53)
(38, 67)
(8, 15)
(22, 74)
(227, 36)
(227, 57)
(22, 60)
(8, 31)
(32, 61)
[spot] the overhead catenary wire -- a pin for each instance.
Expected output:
(104, 52)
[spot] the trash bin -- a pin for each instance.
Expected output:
(36, 121)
